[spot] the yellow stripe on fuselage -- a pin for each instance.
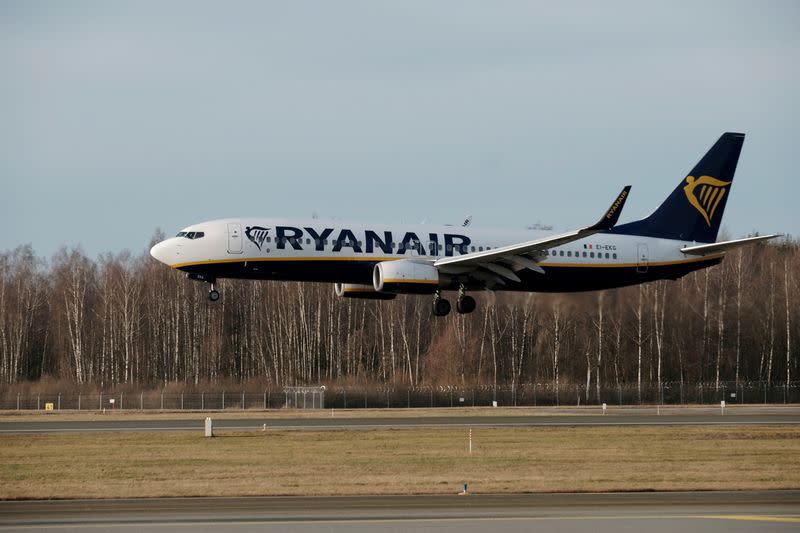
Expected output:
(379, 259)
(432, 281)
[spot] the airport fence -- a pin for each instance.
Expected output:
(528, 394)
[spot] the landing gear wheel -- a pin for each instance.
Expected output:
(213, 295)
(441, 307)
(465, 305)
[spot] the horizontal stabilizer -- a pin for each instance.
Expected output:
(719, 247)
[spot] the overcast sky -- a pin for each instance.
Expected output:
(117, 118)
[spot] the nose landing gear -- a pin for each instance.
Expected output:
(213, 294)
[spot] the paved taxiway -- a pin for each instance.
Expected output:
(621, 417)
(728, 512)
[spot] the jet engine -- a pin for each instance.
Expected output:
(364, 292)
(405, 277)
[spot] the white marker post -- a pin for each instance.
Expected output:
(209, 430)
(604, 408)
(722, 407)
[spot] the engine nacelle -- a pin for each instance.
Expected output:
(365, 292)
(405, 277)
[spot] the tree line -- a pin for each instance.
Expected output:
(126, 319)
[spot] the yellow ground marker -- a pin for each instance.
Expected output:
(757, 518)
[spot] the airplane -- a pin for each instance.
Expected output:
(380, 261)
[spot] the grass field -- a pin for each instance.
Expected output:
(403, 461)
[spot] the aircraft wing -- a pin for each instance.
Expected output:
(718, 247)
(524, 255)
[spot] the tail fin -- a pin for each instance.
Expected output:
(693, 212)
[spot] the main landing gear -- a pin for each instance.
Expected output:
(441, 307)
(464, 305)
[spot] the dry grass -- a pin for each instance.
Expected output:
(252, 414)
(403, 461)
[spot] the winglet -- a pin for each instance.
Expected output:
(612, 215)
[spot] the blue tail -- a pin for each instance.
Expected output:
(693, 212)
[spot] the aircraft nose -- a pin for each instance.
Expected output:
(162, 252)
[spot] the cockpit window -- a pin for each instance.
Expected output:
(191, 234)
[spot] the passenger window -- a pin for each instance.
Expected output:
(449, 248)
(561, 253)
(308, 241)
(615, 256)
(591, 254)
(584, 254)
(606, 255)
(569, 253)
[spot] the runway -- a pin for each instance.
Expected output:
(226, 422)
(616, 512)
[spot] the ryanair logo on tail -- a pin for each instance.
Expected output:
(705, 193)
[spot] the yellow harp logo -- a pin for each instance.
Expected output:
(705, 193)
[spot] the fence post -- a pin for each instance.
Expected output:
(242, 400)
(181, 400)
(162, 400)
(79, 401)
(37, 402)
(265, 400)
(431, 396)
(202, 401)
(17, 401)
(408, 398)
(121, 394)
(59, 401)
(223, 400)
(344, 392)
(101, 401)
(141, 401)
